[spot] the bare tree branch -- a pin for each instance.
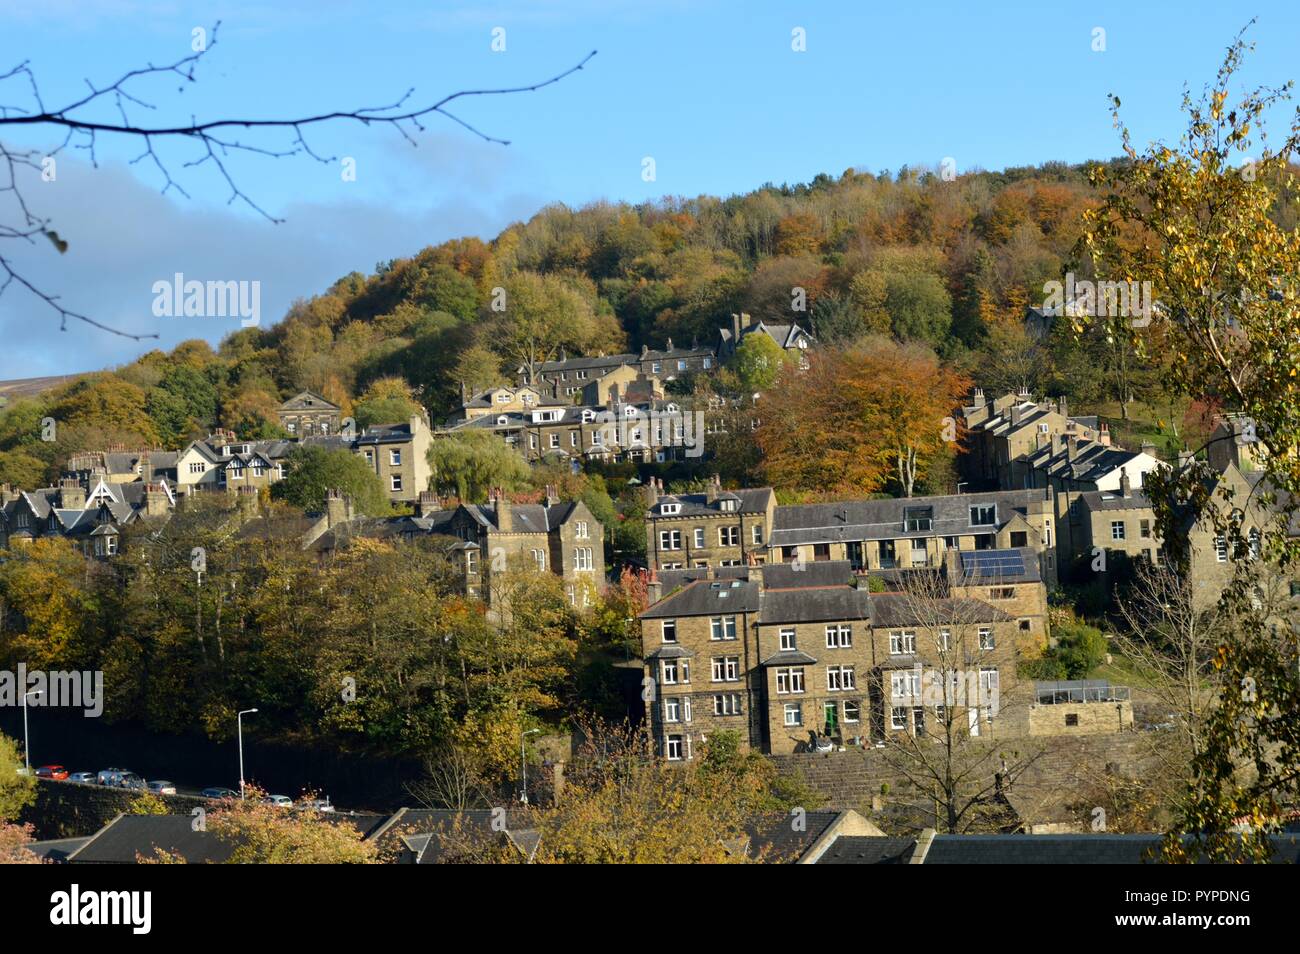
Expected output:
(215, 141)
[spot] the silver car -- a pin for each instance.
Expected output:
(86, 777)
(110, 776)
(162, 787)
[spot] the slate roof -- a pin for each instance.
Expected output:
(850, 520)
(1108, 500)
(524, 518)
(125, 836)
(775, 835)
(425, 832)
(1092, 461)
(752, 500)
(56, 850)
(896, 609)
(1088, 849)
(706, 597)
(815, 605)
(868, 850)
(777, 576)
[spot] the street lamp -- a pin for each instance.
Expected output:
(239, 719)
(523, 765)
(27, 752)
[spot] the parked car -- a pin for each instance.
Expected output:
(109, 776)
(219, 793)
(161, 787)
(57, 772)
(319, 804)
(279, 801)
(85, 777)
(132, 781)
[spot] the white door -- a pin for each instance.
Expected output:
(973, 717)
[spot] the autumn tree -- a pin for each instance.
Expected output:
(17, 790)
(859, 420)
(471, 463)
(1204, 220)
(314, 471)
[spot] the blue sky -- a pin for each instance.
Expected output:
(711, 90)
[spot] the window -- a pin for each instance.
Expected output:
(722, 627)
(983, 515)
(905, 684)
(852, 710)
(672, 709)
(793, 713)
(396, 482)
(1002, 593)
(756, 534)
(726, 668)
(789, 680)
(787, 640)
(1144, 529)
(370, 457)
(1072, 718)
(670, 508)
(728, 536)
(699, 537)
(1019, 538)
(729, 505)
(580, 530)
(471, 561)
(197, 467)
(681, 365)
(1221, 549)
(539, 557)
(898, 718)
(673, 748)
(673, 671)
(555, 441)
(726, 704)
(582, 559)
(532, 442)
(839, 637)
(986, 638)
(573, 438)
(1117, 529)
(668, 630)
(257, 468)
(918, 519)
(656, 367)
(989, 680)
(902, 643)
(839, 678)
(395, 458)
(670, 539)
(708, 363)
(943, 642)
(503, 398)
(110, 544)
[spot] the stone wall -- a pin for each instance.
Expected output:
(869, 780)
(74, 809)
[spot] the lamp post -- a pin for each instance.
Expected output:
(27, 752)
(523, 765)
(239, 720)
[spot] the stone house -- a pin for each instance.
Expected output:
(792, 338)
(786, 654)
(999, 435)
(715, 528)
(307, 414)
(901, 533)
(92, 517)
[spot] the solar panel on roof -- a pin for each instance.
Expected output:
(993, 562)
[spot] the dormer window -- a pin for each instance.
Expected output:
(501, 421)
(983, 515)
(728, 505)
(503, 398)
(918, 519)
(670, 508)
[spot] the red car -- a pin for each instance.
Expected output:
(56, 772)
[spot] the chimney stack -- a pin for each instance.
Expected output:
(72, 496)
(1060, 403)
(654, 589)
(427, 503)
(1103, 434)
(977, 397)
(551, 498)
(714, 487)
(1017, 413)
(156, 503)
(501, 507)
(1125, 485)
(1071, 447)
(338, 508)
